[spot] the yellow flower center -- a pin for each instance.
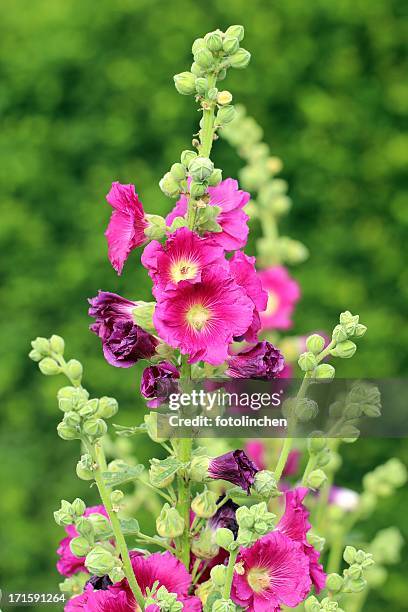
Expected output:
(258, 579)
(183, 269)
(197, 316)
(273, 303)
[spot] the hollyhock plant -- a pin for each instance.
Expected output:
(126, 229)
(124, 343)
(235, 467)
(263, 361)
(283, 293)
(232, 217)
(201, 319)
(158, 381)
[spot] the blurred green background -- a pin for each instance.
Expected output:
(86, 98)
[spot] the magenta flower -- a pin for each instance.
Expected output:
(295, 524)
(256, 450)
(123, 342)
(225, 516)
(273, 571)
(92, 600)
(283, 293)
(235, 467)
(182, 257)
(157, 382)
(243, 270)
(262, 361)
(292, 464)
(126, 226)
(232, 218)
(68, 564)
(201, 319)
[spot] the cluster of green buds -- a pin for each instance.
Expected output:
(49, 353)
(312, 604)
(75, 584)
(102, 560)
(161, 599)
(385, 479)
(84, 417)
(253, 523)
(265, 484)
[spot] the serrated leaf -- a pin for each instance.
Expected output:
(129, 526)
(126, 474)
(127, 432)
(241, 498)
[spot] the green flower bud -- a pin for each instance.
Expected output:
(169, 186)
(35, 355)
(185, 83)
(201, 85)
(57, 344)
(223, 605)
(235, 31)
(84, 468)
(156, 472)
(355, 571)
(79, 546)
(360, 330)
(324, 371)
(349, 322)
(212, 93)
(169, 524)
(200, 168)
(199, 468)
(156, 229)
(224, 537)
(230, 45)
(215, 178)
(339, 334)
(151, 427)
(108, 407)
(84, 527)
(265, 484)
(345, 349)
(42, 346)
(204, 58)
(187, 157)
(70, 397)
(349, 554)
(312, 604)
(204, 505)
(49, 367)
(100, 561)
(203, 546)
(316, 541)
(315, 343)
(226, 114)
(306, 410)
(240, 59)
(116, 497)
(334, 582)
(197, 189)
(64, 515)
(100, 525)
(78, 507)
(74, 370)
(221, 74)
(316, 478)
(224, 97)
(72, 419)
(198, 44)
(89, 408)
(316, 442)
(66, 432)
(323, 458)
(307, 361)
(116, 574)
(218, 574)
(178, 171)
(356, 586)
(213, 41)
(94, 428)
(197, 70)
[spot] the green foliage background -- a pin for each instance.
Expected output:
(87, 98)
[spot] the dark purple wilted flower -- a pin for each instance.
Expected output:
(100, 583)
(124, 342)
(225, 516)
(235, 467)
(158, 381)
(263, 361)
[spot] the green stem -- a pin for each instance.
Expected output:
(145, 538)
(207, 131)
(336, 550)
(184, 448)
(226, 592)
(310, 466)
(100, 460)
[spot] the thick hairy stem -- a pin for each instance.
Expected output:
(226, 591)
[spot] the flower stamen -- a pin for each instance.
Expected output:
(258, 579)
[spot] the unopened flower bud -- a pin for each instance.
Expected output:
(74, 370)
(49, 367)
(355, 571)
(108, 407)
(204, 546)
(221, 74)
(339, 334)
(218, 574)
(116, 497)
(100, 525)
(185, 83)
(66, 432)
(187, 156)
(334, 582)
(316, 541)
(35, 355)
(265, 484)
(360, 330)
(156, 229)
(235, 31)
(223, 605)
(226, 114)
(204, 505)
(84, 527)
(345, 349)
(201, 85)
(64, 516)
(349, 322)
(316, 478)
(100, 561)
(240, 59)
(224, 537)
(307, 361)
(57, 344)
(157, 473)
(95, 428)
(197, 189)
(78, 507)
(215, 178)
(169, 524)
(178, 171)
(116, 574)
(312, 604)
(200, 168)
(324, 371)
(79, 546)
(199, 468)
(84, 468)
(212, 93)
(72, 419)
(198, 44)
(315, 343)
(306, 410)
(230, 44)
(316, 442)
(89, 408)
(349, 554)
(204, 58)
(213, 41)
(169, 186)
(356, 586)
(41, 345)
(224, 97)
(197, 70)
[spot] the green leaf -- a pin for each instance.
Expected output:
(126, 474)
(127, 432)
(239, 496)
(129, 526)
(211, 599)
(162, 470)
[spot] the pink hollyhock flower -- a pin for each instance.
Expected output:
(235, 467)
(273, 571)
(201, 319)
(295, 524)
(243, 270)
(232, 218)
(262, 361)
(182, 257)
(292, 464)
(105, 600)
(68, 564)
(127, 224)
(255, 449)
(158, 381)
(123, 342)
(283, 293)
